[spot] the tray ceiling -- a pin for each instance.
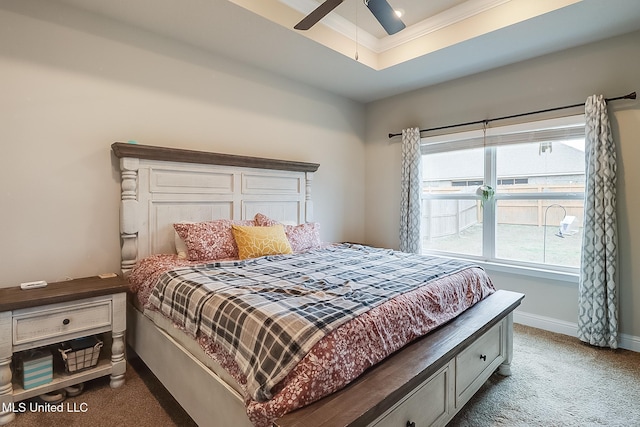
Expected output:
(444, 39)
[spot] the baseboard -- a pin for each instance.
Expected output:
(628, 342)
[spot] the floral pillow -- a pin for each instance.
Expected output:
(301, 237)
(181, 248)
(210, 240)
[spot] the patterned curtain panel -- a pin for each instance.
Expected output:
(410, 203)
(598, 300)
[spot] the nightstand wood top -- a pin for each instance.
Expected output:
(14, 298)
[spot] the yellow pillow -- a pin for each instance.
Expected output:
(255, 242)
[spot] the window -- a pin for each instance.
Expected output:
(535, 217)
(512, 181)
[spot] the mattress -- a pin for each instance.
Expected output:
(345, 351)
(194, 348)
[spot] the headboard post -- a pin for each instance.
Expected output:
(129, 213)
(308, 205)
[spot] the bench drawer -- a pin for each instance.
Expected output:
(427, 405)
(476, 363)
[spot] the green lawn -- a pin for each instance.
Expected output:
(516, 242)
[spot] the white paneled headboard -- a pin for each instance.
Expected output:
(161, 186)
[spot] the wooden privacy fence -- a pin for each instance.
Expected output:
(449, 217)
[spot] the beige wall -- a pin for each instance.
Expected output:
(611, 67)
(72, 84)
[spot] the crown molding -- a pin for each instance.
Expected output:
(437, 22)
(434, 23)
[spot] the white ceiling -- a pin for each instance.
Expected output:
(444, 39)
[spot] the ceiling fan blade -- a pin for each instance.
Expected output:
(385, 14)
(320, 12)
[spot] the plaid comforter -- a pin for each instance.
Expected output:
(269, 312)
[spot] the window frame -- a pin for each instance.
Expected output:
(488, 258)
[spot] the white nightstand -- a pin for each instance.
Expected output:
(59, 312)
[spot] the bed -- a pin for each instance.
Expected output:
(424, 380)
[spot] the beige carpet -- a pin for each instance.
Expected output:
(559, 381)
(141, 401)
(556, 381)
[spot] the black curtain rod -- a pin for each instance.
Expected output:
(632, 95)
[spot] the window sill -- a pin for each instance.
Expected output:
(570, 277)
(561, 276)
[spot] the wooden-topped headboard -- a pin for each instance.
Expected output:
(162, 186)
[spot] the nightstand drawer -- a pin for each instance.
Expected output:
(72, 319)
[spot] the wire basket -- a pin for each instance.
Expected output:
(80, 354)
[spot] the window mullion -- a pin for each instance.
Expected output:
(489, 209)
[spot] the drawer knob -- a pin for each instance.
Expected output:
(483, 357)
(65, 321)
(411, 424)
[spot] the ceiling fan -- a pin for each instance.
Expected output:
(381, 9)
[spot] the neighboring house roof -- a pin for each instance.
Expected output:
(513, 161)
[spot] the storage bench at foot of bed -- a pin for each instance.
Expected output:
(430, 380)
